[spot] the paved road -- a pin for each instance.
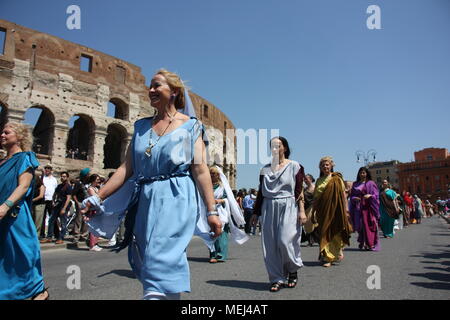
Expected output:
(413, 265)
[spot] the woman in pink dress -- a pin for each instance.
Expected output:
(365, 212)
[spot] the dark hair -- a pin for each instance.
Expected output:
(369, 176)
(93, 177)
(38, 181)
(287, 150)
(312, 178)
(66, 173)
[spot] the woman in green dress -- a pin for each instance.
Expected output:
(388, 210)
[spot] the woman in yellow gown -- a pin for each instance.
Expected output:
(331, 213)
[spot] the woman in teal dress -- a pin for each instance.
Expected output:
(388, 210)
(20, 257)
(162, 186)
(220, 251)
(230, 216)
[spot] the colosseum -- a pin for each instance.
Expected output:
(85, 102)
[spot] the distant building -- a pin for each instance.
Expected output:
(428, 175)
(384, 170)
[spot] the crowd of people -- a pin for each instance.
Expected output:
(57, 207)
(157, 200)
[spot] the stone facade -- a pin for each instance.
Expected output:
(384, 170)
(62, 80)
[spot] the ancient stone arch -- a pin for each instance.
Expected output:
(121, 108)
(43, 131)
(115, 146)
(80, 141)
(3, 115)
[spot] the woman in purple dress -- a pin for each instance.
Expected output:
(365, 213)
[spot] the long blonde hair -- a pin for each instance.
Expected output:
(174, 81)
(22, 133)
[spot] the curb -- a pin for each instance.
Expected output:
(69, 245)
(445, 218)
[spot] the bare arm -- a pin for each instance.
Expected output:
(41, 194)
(200, 173)
(301, 209)
(24, 183)
(63, 209)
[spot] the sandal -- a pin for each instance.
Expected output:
(292, 280)
(38, 295)
(275, 287)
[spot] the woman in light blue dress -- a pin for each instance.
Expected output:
(166, 169)
(20, 257)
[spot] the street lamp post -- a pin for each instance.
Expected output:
(366, 156)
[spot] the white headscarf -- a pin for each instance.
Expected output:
(231, 210)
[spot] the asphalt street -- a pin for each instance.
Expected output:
(413, 265)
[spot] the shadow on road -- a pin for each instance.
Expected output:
(119, 272)
(440, 269)
(196, 259)
(441, 280)
(433, 285)
(258, 286)
(74, 246)
(312, 263)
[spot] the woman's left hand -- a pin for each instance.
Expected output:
(367, 196)
(3, 211)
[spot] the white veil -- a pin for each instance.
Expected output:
(202, 229)
(237, 234)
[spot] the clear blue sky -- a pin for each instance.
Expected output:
(309, 68)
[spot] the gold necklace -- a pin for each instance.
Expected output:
(151, 145)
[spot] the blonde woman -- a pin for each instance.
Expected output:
(331, 213)
(161, 185)
(228, 209)
(20, 257)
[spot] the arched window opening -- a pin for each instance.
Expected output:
(117, 109)
(80, 143)
(3, 116)
(114, 147)
(42, 121)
